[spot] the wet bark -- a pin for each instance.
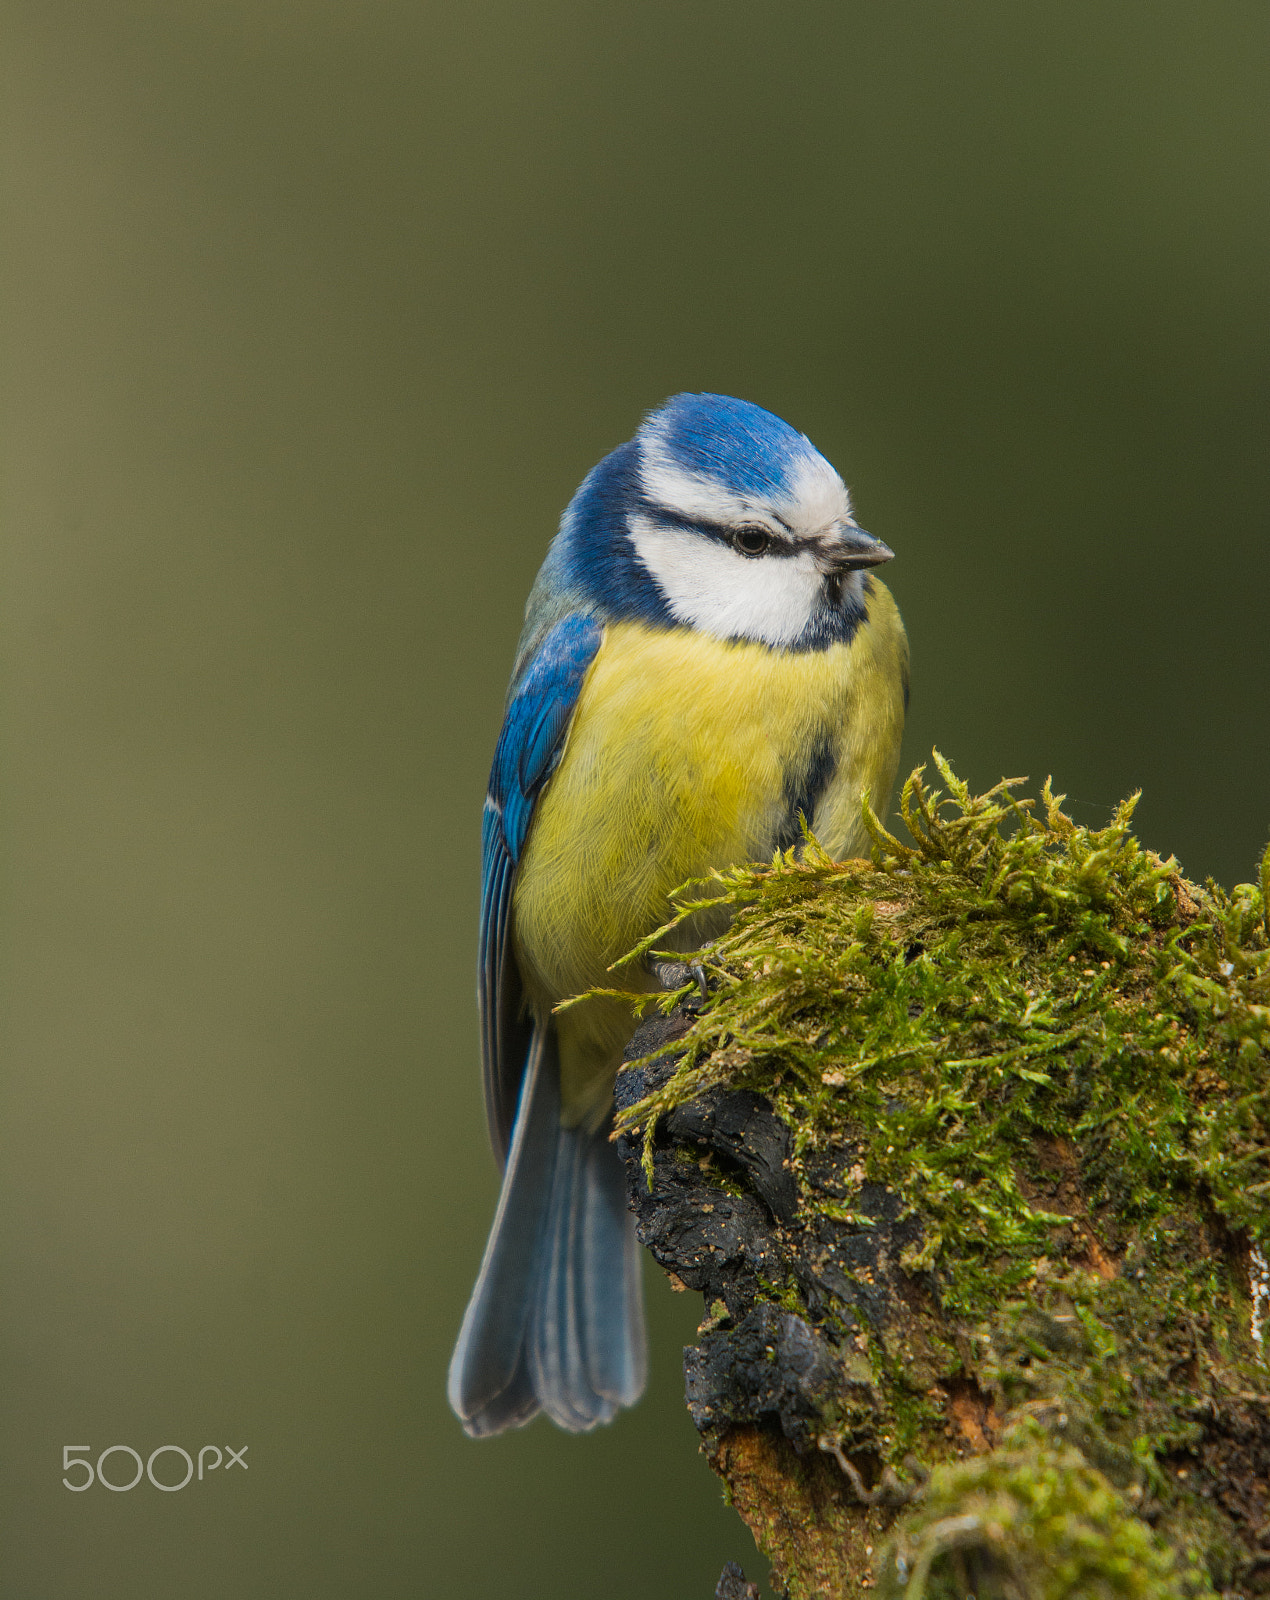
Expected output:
(818, 1351)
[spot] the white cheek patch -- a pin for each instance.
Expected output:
(709, 586)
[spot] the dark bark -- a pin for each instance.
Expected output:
(783, 1383)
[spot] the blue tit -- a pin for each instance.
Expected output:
(707, 661)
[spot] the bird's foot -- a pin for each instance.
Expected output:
(674, 974)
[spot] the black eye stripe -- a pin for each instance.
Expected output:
(777, 544)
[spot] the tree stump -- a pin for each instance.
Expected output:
(968, 1152)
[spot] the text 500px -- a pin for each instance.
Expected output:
(169, 1461)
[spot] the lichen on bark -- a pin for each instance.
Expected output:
(968, 1150)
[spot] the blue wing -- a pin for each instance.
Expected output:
(528, 749)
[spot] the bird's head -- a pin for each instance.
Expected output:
(720, 517)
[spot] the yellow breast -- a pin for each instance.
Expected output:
(677, 761)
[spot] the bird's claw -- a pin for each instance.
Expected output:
(674, 974)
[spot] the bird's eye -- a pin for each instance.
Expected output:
(751, 541)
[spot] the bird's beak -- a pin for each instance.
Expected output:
(851, 548)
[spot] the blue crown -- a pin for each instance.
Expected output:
(738, 444)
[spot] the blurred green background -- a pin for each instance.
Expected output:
(316, 314)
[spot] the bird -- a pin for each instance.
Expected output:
(708, 667)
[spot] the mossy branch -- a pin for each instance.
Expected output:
(1021, 1072)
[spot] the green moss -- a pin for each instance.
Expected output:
(1056, 1051)
(1030, 1522)
(1006, 979)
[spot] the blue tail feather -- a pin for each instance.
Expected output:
(612, 1290)
(556, 1321)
